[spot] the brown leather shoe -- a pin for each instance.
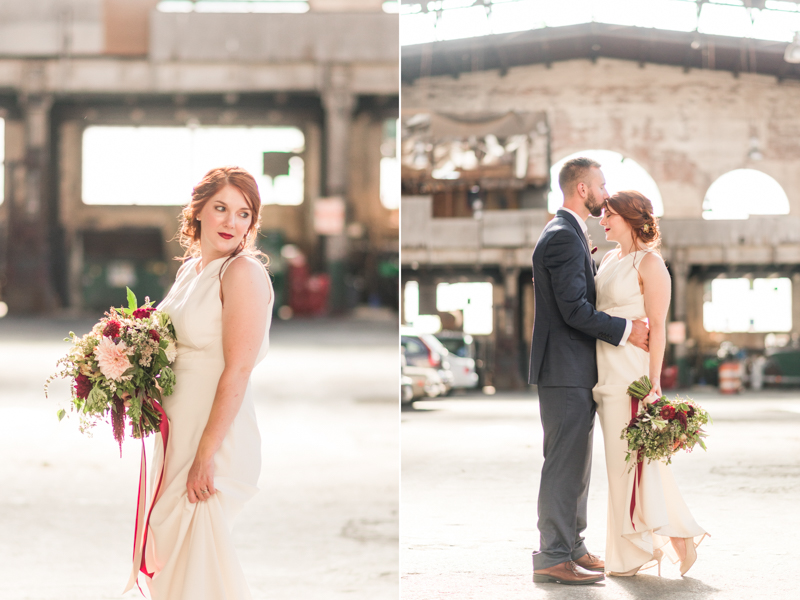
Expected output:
(567, 573)
(591, 562)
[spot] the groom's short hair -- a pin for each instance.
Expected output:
(574, 171)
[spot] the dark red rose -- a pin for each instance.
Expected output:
(143, 313)
(154, 335)
(112, 329)
(681, 416)
(668, 412)
(82, 386)
(690, 412)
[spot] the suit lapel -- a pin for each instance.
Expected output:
(574, 222)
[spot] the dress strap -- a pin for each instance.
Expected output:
(227, 263)
(640, 254)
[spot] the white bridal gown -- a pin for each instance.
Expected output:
(189, 547)
(660, 512)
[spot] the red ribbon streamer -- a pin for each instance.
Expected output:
(637, 474)
(139, 547)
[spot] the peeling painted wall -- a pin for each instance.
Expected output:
(685, 128)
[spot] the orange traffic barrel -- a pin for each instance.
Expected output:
(730, 378)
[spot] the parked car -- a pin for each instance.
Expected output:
(424, 382)
(406, 389)
(461, 348)
(424, 350)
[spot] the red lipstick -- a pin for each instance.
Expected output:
(226, 236)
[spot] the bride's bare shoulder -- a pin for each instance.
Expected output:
(246, 273)
(652, 263)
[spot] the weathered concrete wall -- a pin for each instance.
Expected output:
(51, 27)
(686, 129)
(253, 38)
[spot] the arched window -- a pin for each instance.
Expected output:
(621, 174)
(744, 192)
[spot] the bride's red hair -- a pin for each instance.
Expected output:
(214, 181)
(637, 211)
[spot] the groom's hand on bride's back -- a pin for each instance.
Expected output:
(640, 335)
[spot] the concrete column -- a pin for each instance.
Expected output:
(680, 292)
(29, 287)
(339, 102)
(508, 360)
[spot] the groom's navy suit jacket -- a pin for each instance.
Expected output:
(566, 324)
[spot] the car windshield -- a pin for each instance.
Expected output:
(460, 346)
(433, 343)
(455, 346)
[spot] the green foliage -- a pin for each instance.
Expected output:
(97, 400)
(140, 386)
(656, 433)
(167, 380)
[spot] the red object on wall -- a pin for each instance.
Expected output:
(669, 377)
(308, 294)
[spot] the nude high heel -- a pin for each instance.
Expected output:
(691, 556)
(658, 554)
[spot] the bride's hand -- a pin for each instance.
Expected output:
(656, 388)
(200, 483)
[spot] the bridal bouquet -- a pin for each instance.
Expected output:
(120, 370)
(662, 426)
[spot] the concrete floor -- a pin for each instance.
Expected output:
(323, 527)
(470, 473)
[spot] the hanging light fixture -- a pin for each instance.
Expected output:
(792, 54)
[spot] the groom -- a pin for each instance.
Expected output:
(563, 365)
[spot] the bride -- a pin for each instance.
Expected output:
(651, 518)
(221, 307)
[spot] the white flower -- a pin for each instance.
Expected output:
(171, 351)
(146, 357)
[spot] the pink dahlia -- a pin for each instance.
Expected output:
(112, 359)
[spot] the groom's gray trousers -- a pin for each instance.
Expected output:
(567, 415)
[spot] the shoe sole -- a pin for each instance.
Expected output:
(550, 579)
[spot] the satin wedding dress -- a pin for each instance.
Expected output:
(640, 520)
(189, 546)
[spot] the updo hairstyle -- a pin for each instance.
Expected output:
(214, 181)
(637, 211)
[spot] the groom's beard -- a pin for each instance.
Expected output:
(592, 205)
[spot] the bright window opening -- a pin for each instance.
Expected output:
(160, 165)
(473, 298)
(621, 174)
(422, 323)
(744, 192)
(390, 165)
(2, 160)
(428, 21)
(745, 305)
